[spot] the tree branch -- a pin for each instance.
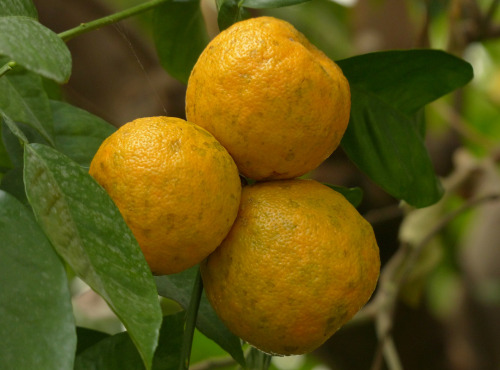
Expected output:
(394, 276)
(110, 19)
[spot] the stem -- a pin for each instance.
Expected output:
(257, 360)
(214, 364)
(7, 67)
(110, 19)
(394, 277)
(190, 323)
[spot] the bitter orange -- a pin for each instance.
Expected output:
(298, 263)
(278, 104)
(175, 185)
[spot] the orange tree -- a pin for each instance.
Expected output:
(56, 221)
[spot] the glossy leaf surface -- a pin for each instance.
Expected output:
(35, 47)
(87, 230)
(384, 136)
(407, 79)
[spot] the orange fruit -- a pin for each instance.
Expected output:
(272, 99)
(177, 188)
(298, 263)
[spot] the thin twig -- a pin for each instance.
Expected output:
(395, 275)
(190, 323)
(418, 248)
(110, 19)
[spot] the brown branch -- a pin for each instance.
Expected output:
(394, 276)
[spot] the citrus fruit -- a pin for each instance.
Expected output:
(298, 263)
(272, 99)
(177, 188)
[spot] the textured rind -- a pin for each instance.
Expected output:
(277, 103)
(177, 188)
(299, 262)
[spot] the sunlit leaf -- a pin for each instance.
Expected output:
(87, 230)
(35, 47)
(180, 36)
(36, 317)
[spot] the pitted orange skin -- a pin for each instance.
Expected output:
(298, 263)
(276, 102)
(177, 188)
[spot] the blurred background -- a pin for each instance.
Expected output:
(448, 311)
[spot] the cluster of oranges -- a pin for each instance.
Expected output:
(285, 261)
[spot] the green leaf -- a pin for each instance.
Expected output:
(35, 47)
(78, 133)
(88, 337)
(353, 195)
(36, 316)
(24, 100)
(264, 4)
(178, 287)
(385, 144)
(230, 12)
(87, 230)
(18, 7)
(13, 144)
(180, 36)
(5, 162)
(407, 79)
(12, 183)
(14, 129)
(385, 134)
(118, 352)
